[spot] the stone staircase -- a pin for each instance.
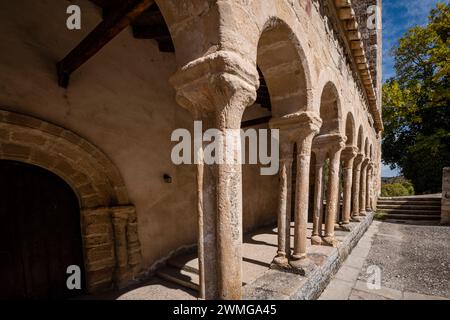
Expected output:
(181, 270)
(420, 208)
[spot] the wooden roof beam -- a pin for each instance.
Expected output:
(120, 18)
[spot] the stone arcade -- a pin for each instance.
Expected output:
(310, 68)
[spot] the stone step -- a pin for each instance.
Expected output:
(179, 276)
(418, 203)
(395, 216)
(409, 206)
(410, 212)
(413, 199)
(187, 262)
(425, 222)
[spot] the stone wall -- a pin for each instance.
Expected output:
(445, 209)
(121, 102)
(368, 14)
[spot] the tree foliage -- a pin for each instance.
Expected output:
(416, 103)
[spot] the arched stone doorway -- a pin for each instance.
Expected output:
(110, 243)
(40, 235)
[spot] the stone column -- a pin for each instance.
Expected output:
(303, 126)
(206, 216)
(369, 187)
(284, 201)
(356, 185)
(120, 221)
(332, 195)
(348, 156)
(221, 84)
(363, 188)
(316, 237)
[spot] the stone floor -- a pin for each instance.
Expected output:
(259, 248)
(414, 261)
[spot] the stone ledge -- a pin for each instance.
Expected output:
(280, 285)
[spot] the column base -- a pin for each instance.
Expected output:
(355, 219)
(280, 262)
(303, 267)
(345, 226)
(330, 241)
(362, 213)
(316, 240)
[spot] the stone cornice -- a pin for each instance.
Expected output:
(349, 25)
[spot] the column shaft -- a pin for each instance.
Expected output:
(284, 208)
(318, 200)
(356, 186)
(301, 196)
(348, 177)
(363, 189)
(332, 197)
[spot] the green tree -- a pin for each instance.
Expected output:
(416, 103)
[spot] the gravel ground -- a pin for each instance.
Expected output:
(412, 258)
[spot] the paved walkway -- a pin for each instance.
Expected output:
(259, 248)
(413, 260)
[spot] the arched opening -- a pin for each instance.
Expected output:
(350, 130)
(106, 217)
(330, 110)
(360, 140)
(40, 233)
(283, 90)
(324, 146)
(366, 148)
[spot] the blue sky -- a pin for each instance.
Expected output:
(398, 17)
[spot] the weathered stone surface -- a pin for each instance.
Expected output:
(277, 284)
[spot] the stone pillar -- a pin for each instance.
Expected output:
(369, 187)
(99, 250)
(363, 188)
(222, 85)
(332, 195)
(316, 237)
(356, 185)
(206, 216)
(348, 156)
(303, 126)
(445, 204)
(120, 222)
(284, 201)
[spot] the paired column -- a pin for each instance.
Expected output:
(301, 127)
(316, 237)
(348, 156)
(356, 185)
(284, 200)
(332, 195)
(220, 86)
(363, 188)
(369, 187)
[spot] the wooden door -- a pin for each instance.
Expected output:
(40, 233)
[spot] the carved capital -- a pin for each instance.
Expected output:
(332, 142)
(221, 82)
(358, 159)
(297, 125)
(349, 153)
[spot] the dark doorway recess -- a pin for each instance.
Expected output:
(40, 233)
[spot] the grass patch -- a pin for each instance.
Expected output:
(380, 215)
